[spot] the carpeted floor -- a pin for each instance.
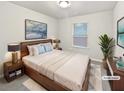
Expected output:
(24, 83)
(15, 85)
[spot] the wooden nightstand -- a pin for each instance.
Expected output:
(13, 71)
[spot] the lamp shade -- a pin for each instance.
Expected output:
(13, 47)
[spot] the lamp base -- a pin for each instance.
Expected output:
(14, 57)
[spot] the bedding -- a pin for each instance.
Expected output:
(61, 67)
(38, 49)
(34, 61)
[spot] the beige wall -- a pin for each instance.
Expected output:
(117, 14)
(12, 28)
(98, 23)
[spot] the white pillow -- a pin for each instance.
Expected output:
(30, 50)
(35, 51)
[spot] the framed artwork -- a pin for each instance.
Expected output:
(120, 32)
(35, 30)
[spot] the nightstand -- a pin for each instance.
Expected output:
(13, 71)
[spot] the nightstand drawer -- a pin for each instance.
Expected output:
(14, 67)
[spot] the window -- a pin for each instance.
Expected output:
(80, 35)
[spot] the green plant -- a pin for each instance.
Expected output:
(106, 44)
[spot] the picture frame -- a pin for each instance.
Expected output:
(120, 32)
(35, 30)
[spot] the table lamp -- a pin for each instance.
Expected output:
(14, 48)
(56, 41)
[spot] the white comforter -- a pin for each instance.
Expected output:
(66, 68)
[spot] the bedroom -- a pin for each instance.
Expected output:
(75, 28)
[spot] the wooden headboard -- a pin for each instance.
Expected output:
(23, 46)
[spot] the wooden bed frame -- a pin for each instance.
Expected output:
(43, 80)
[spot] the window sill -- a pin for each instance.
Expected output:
(80, 47)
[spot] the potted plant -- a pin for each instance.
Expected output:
(106, 44)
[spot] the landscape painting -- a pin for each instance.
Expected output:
(35, 30)
(120, 33)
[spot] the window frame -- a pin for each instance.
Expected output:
(76, 46)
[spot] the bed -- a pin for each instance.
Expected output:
(56, 70)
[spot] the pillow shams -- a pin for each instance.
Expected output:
(36, 49)
(48, 47)
(30, 50)
(39, 49)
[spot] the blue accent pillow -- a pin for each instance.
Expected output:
(48, 47)
(41, 49)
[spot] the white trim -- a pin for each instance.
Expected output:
(78, 46)
(81, 36)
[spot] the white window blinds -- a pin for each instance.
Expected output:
(80, 35)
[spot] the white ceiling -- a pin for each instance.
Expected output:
(77, 8)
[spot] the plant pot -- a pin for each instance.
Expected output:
(105, 65)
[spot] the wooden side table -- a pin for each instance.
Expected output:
(116, 85)
(13, 71)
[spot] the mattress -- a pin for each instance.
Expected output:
(66, 68)
(35, 61)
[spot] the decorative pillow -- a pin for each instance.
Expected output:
(41, 49)
(38, 49)
(35, 50)
(48, 47)
(30, 50)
